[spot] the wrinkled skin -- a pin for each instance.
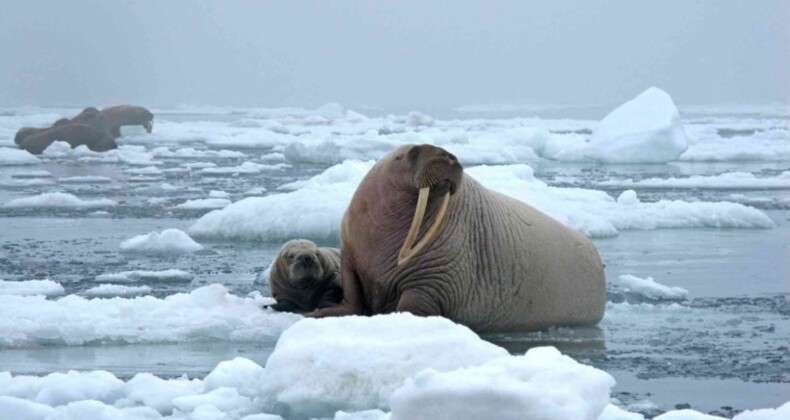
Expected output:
(305, 277)
(74, 134)
(121, 115)
(494, 264)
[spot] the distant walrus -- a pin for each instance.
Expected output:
(25, 132)
(485, 260)
(94, 118)
(121, 115)
(305, 277)
(74, 134)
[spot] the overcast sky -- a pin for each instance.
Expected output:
(391, 53)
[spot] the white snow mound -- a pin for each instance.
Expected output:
(355, 363)
(646, 129)
(170, 241)
(542, 384)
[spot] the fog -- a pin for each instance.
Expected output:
(391, 53)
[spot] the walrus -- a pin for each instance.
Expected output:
(305, 277)
(73, 133)
(25, 132)
(484, 260)
(121, 115)
(94, 118)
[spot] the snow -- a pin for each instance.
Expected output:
(111, 290)
(170, 275)
(771, 145)
(218, 194)
(729, 180)
(417, 367)
(209, 313)
(9, 157)
(355, 363)
(322, 200)
(313, 210)
(649, 288)
(245, 168)
(59, 200)
(542, 384)
(169, 241)
(204, 203)
(31, 287)
(646, 129)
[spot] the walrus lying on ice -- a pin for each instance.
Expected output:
(483, 259)
(122, 115)
(305, 277)
(74, 134)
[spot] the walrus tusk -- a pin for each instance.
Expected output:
(406, 253)
(416, 224)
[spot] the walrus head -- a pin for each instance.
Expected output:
(301, 261)
(432, 172)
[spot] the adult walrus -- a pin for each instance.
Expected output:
(74, 134)
(305, 277)
(485, 260)
(26, 132)
(121, 115)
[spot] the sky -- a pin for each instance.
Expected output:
(391, 53)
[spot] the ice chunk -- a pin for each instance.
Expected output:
(31, 287)
(10, 156)
(23, 409)
(542, 384)
(61, 388)
(780, 413)
(204, 203)
(613, 412)
(729, 180)
(88, 179)
(354, 363)
(205, 314)
(686, 414)
(240, 373)
(170, 241)
(59, 200)
(646, 129)
(170, 275)
(649, 288)
(111, 290)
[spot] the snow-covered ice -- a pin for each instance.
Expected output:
(31, 287)
(204, 203)
(649, 288)
(111, 290)
(646, 129)
(205, 314)
(322, 200)
(728, 180)
(10, 157)
(170, 275)
(355, 363)
(169, 241)
(59, 200)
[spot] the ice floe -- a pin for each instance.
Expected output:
(322, 200)
(31, 287)
(646, 129)
(208, 313)
(729, 180)
(649, 288)
(384, 367)
(169, 241)
(10, 157)
(204, 203)
(111, 290)
(59, 200)
(163, 276)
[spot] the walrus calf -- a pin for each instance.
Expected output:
(484, 260)
(305, 277)
(74, 134)
(122, 115)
